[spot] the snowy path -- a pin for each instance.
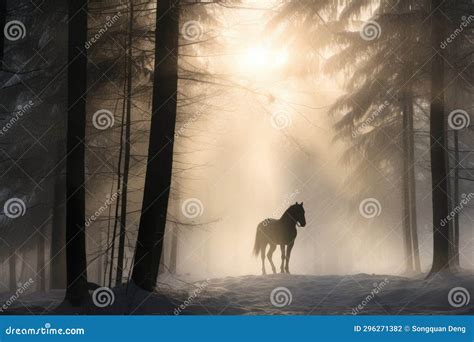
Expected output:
(252, 295)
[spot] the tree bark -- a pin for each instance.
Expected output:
(40, 262)
(126, 167)
(438, 145)
(12, 269)
(3, 20)
(454, 257)
(406, 186)
(75, 193)
(160, 153)
(58, 234)
(412, 184)
(174, 250)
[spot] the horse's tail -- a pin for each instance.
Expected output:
(257, 247)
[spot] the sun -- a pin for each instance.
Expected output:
(262, 57)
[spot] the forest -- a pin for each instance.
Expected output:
(149, 146)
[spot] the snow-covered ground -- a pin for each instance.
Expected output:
(280, 294)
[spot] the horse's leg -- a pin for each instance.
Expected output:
(262, 252)
(269, 255)
(282, 267)
(288, 254)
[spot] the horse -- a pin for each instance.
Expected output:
(279, 232)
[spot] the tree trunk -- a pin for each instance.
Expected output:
(160, 153)
(406, 187)
(438, 145)
(40, 263)
(3, 20)
(412, 184)
(174, 250)
(12, 269)
(75, 206)
(454, 257)
(126, 167)
(58, 234)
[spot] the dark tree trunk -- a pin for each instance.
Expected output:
(406, 187)
(75, 194)
(126, 166)
(454, 257)
(160, 153)
(174, 250)
(3, 20)
(40, 262)
(58, 234)
(438, 145)
(12, 269)
(412, 184)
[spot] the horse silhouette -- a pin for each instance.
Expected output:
(279, 232)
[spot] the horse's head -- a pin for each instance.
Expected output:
(297, 213)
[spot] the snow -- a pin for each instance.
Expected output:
(361, 294)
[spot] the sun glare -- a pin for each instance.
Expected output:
(261, 58)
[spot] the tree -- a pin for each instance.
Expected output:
(160, 152)
(126, 167)
(76, 124)
(439, 175)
